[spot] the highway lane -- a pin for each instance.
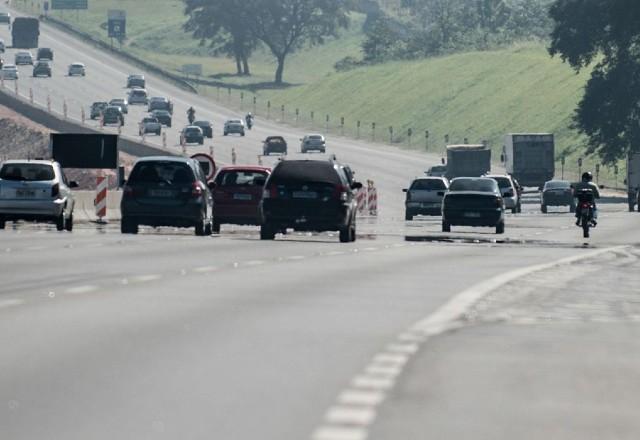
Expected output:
(390, 167)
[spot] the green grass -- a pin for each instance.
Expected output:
(154, 32)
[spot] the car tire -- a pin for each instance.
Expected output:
(2, 222)
(128, 226)
(446, 227)
(353, 231)
(408, 216)
(345, 234)
(158, 132)
(216, 227)
(519, 208)
(225, 133)
(208, 229)
(69, 223)
(201, 228)
(572, 208)
(267, 232)
(514, 210)
(500, 228)
(60, 223)
(242, 134)
(543, 208)
(201, 142)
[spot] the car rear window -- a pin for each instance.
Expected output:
(557, 184)
(305, 171)
(481, 185)
(168, 172)
(428, 185)
(239, 178)
(503, 182)
(315, 137)
(29, 172)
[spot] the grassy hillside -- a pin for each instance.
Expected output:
(154, 32)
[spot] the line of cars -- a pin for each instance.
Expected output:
(42, 64)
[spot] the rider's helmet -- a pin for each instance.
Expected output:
(587, 176)
(249, 115)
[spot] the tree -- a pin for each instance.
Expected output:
(286, 25)
(607, 33)
(224, 24)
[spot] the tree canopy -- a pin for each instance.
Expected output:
(604, 34)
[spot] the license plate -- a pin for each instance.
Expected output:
(160, 193)
(472, 214)
(242, 196)
(26, 193)
(305, 195)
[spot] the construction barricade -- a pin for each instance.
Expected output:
(101, 198)
(367, 198)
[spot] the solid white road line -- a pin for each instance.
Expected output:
(11, 303)
(78, 290)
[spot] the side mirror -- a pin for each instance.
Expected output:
(212, 185)
(356, 185)
(73, 184)
(404, 190)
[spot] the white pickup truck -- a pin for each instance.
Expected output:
(150, 125)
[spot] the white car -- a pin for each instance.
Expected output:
(138, 96)
(9, 71)
(149, 124)
(23, 58)
(509, 192)
(77, 69)
(36, 190)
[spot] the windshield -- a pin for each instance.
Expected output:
(428, 185)
(29, 172)
(470, 184)
(240, 178)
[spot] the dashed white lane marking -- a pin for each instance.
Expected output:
(350, 416)
(205, 269)
(295, 257)
(333, 433)
(252, 263)
(356, 407)
(78, 290)
(146, 278)
(334, 253)
(11, 303)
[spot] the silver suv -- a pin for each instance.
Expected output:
(424, 196)
(36, 190)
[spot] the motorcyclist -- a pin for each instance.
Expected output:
(249, 120)
(587, 183)
(191, 115)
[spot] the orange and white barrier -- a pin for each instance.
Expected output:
(101, 197)
(367, 199)
(361, 198)
(372, 202)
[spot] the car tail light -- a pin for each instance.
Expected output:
(499, 202)
(270, 193)
(196, 190)
(55, 190)
(341, 193)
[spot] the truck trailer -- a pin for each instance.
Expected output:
(25, 32)
(468, 160)
(530, 158)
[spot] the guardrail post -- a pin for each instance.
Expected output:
(409, 133)
(16, 86)
(229, 94)
(183, 144)
(373, 131)
(234, 157)
(2, 81)
(282, 112)
(297, 115)
(82, 115)
(268, 109)
(241, 100)
(358, 130)
(391, 134)
(30, 95)
(49, 103)
(312, 114)
(259, 160)
(254, 105)
(426, 139)
(327, 124)
(211, 150)
(64, 108)
(164, 139)
(341, 125)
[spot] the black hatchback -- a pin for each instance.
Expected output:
(308, 195)
(167, 191)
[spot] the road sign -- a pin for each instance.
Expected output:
(117, 23)
(69, 4)
(207, 163)
(97, 151)
(192, 69)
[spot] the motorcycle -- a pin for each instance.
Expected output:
(585, 208)
(249, 122)
(191, 116)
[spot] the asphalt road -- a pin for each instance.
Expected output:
(168, 335)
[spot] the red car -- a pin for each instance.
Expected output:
(237, 192)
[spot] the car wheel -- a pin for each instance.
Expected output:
(208, 229)
(345, 234)
(543, 208)
(216, 227)
(353, 230)
(60, 222)
(69, 223)
(514, 210)
(128, 226)
(158, 132)
(446, 227)
(2, 222)
(500, 228)
(519, 208)
(201, 228)
(201, 142)
(408, 216)
(267, 232)
(242, 134)
(225, 133)
(572, 208)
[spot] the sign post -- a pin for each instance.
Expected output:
(117, 24)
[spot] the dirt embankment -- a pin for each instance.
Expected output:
(21, 138)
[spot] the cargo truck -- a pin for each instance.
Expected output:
(468, 160)
(25, 32)
(633, 180)
(530, 158)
